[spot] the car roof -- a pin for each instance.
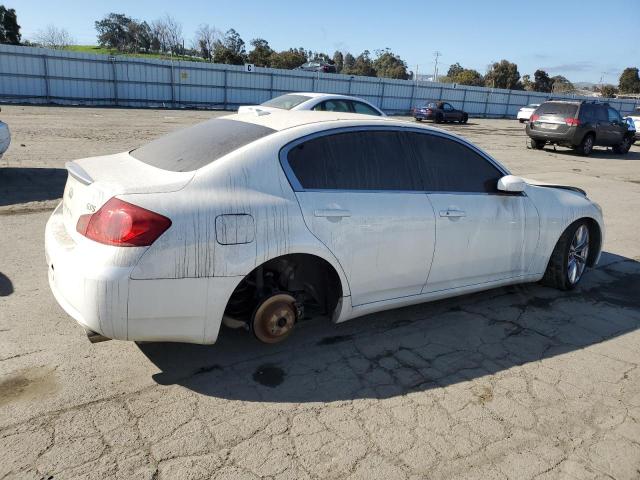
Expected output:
(327, 95)
(286, 119)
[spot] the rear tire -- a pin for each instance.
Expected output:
(537, 144)
(569, 258)
(521, 120)
(465, 118)
(418, 119)
(623, 147)
(439, 118)
(586, 145)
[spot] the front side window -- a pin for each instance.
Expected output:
(446, 107)
(363, 108)
(359, 160)
(449, 166)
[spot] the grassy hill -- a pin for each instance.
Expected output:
(112, 51)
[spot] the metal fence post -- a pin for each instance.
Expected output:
(313, 84)
(486, 104)
(440, 94)
(350, 80)
(46, 78)
(506, 108)
(115, 79)
(413, 95)
(382, 94)
(271, 85)
(173, 89)
(464, 98)
(225, 89)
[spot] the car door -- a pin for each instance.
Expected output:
(482, 235)
(449, 112)
(361, 197)
(616, 128)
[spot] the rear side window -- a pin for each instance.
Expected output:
(449, 166)
(194, 147)
(614, 116)
(564, 110)
(366, 160)
(286, 102)
(363, 108)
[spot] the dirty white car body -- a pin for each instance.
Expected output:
(524, 114)
(259, 208)
(635, 118)
(316, 101)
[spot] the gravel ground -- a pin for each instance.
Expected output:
(522, 382)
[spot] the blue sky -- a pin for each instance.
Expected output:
(582, 40)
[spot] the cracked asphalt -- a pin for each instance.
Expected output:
(514, 383)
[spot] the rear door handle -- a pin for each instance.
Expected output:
(332, 212)
(452, 213)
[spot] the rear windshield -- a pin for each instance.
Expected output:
(194, 147)
(552, 108)
(429, 105)
(286, 102)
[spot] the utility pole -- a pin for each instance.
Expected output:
(436, 54)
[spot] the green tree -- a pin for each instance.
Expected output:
(541, 81)
(9, 28)
(469, 77)
(338, 60)
(288, 59)
(389, 65)
(527, 84)
(362, 65)
(230, 49)
(503, 74)
(629, 81)
(608, 91)
(261, 53)
(454, 71)
(113, 31)
(561, 84)
(349, 63)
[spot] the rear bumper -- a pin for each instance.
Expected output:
(569, 138)
(92, 283)
(423, 116)
(93, 294)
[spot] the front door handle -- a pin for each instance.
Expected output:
(332, 212)
(451, 213)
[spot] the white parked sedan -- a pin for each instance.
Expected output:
(259, 220)
(635, 118)
(524, 114)
(323, 102)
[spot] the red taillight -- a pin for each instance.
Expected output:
(123, 224)
(534, 117)
(429, 110)
(572, 122)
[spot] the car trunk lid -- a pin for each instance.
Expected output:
(93, 181)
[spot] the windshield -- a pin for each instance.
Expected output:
(194, 147)
(286, 102)
(557, 108)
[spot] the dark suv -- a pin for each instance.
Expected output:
(580, 125)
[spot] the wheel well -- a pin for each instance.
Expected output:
(312, 280)
(596, 234)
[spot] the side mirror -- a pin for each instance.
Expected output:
(512, 184)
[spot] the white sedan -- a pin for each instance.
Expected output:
(323, 102)
(259, 220)
(635, 118)
(524, 114)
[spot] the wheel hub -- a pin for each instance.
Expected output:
(275, 318)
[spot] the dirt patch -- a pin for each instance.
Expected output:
(28, 384)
